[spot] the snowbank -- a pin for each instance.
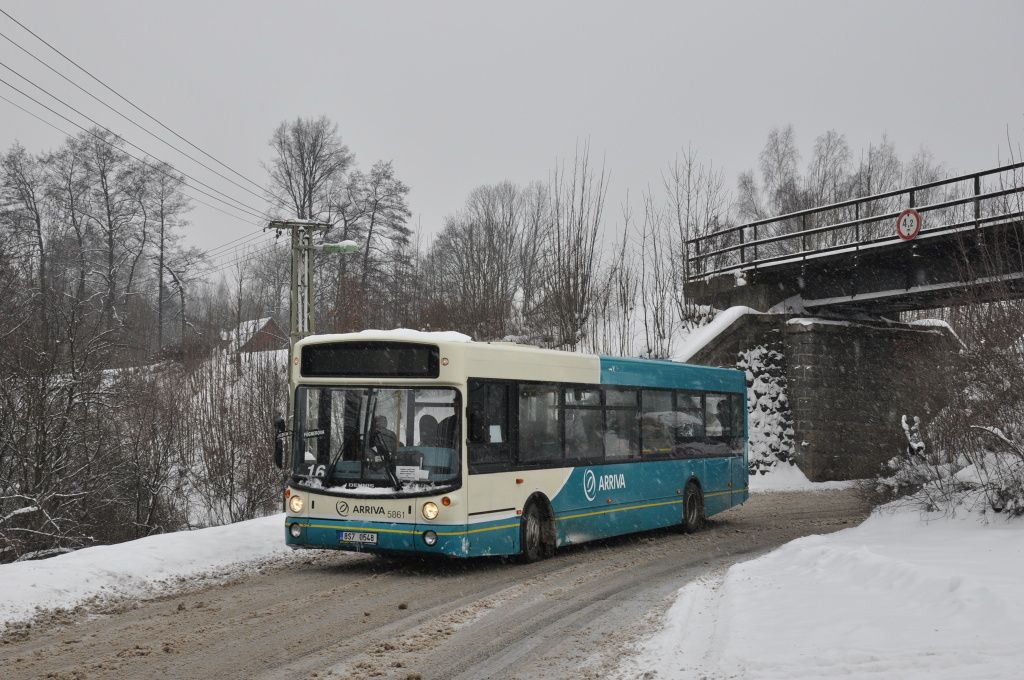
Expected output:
(896, 597)
(697, 340)
(786, 477)
(139, 567)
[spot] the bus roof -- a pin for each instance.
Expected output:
(662, 373)
(612, 370)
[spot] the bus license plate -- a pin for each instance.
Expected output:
(357, 537)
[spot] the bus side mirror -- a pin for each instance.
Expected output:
(279, 427)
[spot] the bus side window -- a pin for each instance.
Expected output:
(584, 424)
(719, 420)
(688, 435)
(622, 425)
(658, 424)
(488, 431)
(540, 426)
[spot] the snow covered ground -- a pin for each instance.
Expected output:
(901, 596)
(142, 567)
(158, 563)
(786, 477)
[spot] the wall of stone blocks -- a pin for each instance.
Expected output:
(849, 384)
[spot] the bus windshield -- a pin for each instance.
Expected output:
(379, 436)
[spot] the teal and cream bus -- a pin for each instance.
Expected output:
(425, 443)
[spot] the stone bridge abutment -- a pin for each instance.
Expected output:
(847, 383)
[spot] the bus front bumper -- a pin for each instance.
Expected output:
(377, 537)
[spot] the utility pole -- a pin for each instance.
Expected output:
(301, 322)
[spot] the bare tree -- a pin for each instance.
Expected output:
(535, 206)
(473, 257)
(70, 196)
(697, 206)
(828, 174)
(168, 207)
(656, 287)
(111, 182)
(23, 178)
(308, 167)
(572, 256)
(615, 317)
(384, 205)
(779, 160)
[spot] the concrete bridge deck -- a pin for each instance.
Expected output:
(848, 257)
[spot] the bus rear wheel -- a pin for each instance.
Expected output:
(693, 509)
(535, 535)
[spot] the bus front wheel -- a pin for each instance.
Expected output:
(693, 508)
(536, 534)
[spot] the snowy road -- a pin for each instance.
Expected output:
(336, 615)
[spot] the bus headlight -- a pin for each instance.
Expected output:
(295, 530)
(430, 510)
(429, 537)
(295, 503)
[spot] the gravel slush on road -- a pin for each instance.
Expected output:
(346, 616)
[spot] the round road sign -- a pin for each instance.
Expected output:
(908, 224)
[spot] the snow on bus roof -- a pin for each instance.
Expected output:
(410, 334)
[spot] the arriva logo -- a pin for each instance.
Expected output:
(589, 485)
(342, 508)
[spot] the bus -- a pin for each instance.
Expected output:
(430, 443)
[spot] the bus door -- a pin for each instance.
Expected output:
(721, 434)
(717, 484)
(492, 494)
(738, 443)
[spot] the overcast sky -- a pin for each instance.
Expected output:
(460, 94)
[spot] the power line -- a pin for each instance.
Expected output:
(251, 212)
(220, 253)
(252, 234)
(248, 257)
(222, 261)
(240, 205)
(239, 250)
(239, 261)
(68, 134)
(131, 120)
(126, 100)
(39, 118)
(233, 251)
(201, 259)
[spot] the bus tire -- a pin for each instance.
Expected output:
(693, 508)
(535, 534)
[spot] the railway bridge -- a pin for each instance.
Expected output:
(827, 288)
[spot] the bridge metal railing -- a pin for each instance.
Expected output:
(948, 205)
